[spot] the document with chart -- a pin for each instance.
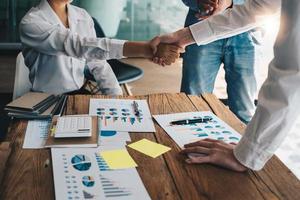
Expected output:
(36, 134)
(189, 127)
(122, 115)
(81, 173)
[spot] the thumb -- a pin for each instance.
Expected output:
(154, 43)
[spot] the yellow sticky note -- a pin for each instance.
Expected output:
(118, 159)
(149, 148)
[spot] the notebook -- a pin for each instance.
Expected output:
(56, 108)
(31, 102)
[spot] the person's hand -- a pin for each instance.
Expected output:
(222, 5)
(206, 8)
(214, 152)
(180, 38)
(212, 7)
(167, 53)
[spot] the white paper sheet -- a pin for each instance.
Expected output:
(80, 173)
(184, 134)
(36, 134)
(119, 115)
(113, 138)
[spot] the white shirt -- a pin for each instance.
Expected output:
(56, 55)
(279, 97)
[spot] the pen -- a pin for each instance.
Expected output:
(191, 121)
(136, 108)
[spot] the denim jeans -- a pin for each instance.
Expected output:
(239, 54)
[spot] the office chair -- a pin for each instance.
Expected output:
(125, 73)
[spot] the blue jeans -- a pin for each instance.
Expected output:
(239, 55)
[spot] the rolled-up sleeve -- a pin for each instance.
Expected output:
(54, 40)
(279, 97)
(238, 19)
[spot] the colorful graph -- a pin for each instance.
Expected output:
(122, 115)
(213, 128)
(81, 162)
(88, 181)
(112, 115)
(87, 195)
(108, 133)
(112, 190)
(101, 163)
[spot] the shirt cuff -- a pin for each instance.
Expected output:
(250, 154)
(201, 32)
(116, 48)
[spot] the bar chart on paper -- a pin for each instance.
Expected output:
(123, 185)
(121, 115)
(81, 173)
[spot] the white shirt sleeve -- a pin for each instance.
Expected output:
(238, 19)
(279, 97)
(102, 72)
(54, 40)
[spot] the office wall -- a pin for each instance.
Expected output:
(7, 72)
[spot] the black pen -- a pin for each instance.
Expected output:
(136, 108)
(191, 121)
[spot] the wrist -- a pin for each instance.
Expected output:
(185, 37)
(137, 49)
(147, 50)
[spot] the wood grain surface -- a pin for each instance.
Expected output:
(28, 174)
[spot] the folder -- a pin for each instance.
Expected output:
(57, 107)
(35, 102)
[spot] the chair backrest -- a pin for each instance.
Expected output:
(22, 83)
(98, 29)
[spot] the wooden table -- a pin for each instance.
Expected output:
(166, 177)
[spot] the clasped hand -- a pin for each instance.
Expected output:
(165, 54)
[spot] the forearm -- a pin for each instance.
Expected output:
(53, 40)
(137, 49)
(239, 19)
(185, 37)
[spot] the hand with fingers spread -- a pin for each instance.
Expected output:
(213, 152)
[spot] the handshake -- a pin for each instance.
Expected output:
(166, 54)
(167, 48)
(162, 50)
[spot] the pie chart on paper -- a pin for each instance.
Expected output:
(81, 162)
